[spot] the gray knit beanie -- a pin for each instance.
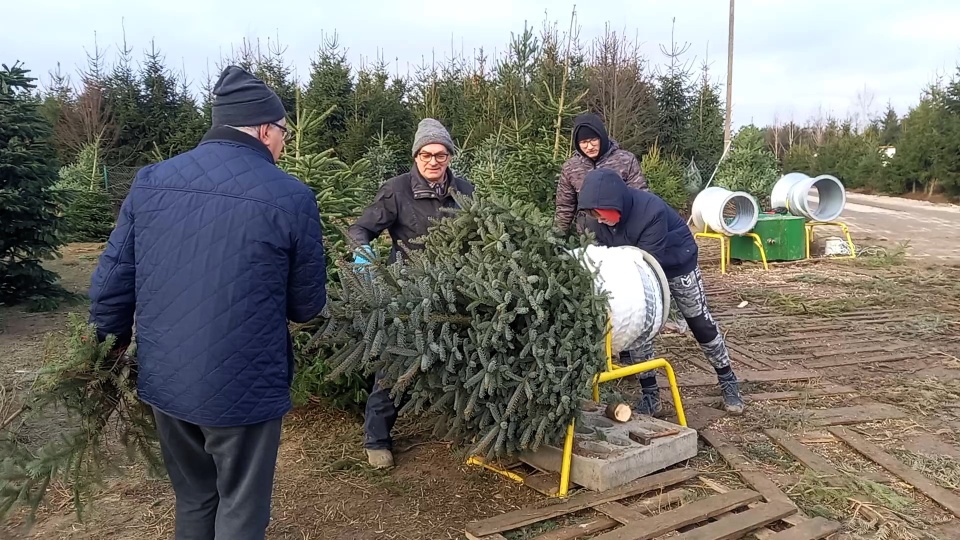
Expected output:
(240, 99)
(430, 131)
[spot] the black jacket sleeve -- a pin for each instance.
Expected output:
(376, 218)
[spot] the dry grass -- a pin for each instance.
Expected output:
(944, 470)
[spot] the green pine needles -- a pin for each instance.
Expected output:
(95, 388)
(494, 330)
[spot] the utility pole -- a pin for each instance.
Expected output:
(726, 121)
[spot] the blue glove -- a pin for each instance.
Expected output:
(362, 257)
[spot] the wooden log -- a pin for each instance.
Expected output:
(619, 412)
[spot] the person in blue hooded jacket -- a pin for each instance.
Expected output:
(626, 216)
(213, 252)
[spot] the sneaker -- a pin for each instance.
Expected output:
(730, 390)
(380, 459)
(649, 403)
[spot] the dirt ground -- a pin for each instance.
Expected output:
(926, 230)
(886, 326)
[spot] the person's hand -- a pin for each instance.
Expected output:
(362, 258)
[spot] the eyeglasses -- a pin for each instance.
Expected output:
(590, 142)
(286, 132)
(427, 156)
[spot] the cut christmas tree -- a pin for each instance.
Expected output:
(95, 386)
(494, 330)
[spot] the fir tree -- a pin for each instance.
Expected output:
(29, 209)
(706, 124)
(751, 166)
(494, 330)
(95, 385)
(674, 94)
(328, 92)
(889, 126)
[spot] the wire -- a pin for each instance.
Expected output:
(726, 150)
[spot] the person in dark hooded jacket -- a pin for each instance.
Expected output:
(625, 216)
(592, 149)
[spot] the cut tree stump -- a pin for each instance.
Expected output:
(619, 412)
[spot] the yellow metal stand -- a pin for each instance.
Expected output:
(843, 227)
(612, 373)
(725, 247)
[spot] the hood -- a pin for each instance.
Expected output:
(596, 124)
(604, 189)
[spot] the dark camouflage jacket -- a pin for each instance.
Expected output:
(576, 168)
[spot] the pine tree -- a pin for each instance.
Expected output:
(751, 166)
(706, 124)
(494, 330)
(29, 209)
(674, 98)
(329, 92)
(889, 126)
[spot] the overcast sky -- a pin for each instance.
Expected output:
(793, 58)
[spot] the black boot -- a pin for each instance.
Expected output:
(730, 390)
(649, 403)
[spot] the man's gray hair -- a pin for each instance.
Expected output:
(253, 131)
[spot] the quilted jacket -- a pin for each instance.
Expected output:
(576, 168)
(214, 250)
(646, 221)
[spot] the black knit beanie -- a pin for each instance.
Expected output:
(240, 99)
(586, 132)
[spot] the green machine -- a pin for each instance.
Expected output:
(783, 237)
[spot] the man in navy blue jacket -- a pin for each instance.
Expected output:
(213, 251)
(627, 216)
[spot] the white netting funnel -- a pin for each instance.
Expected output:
(638, 292)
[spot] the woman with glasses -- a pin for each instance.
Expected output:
(404, 206)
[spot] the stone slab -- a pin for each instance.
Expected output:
(605, 456)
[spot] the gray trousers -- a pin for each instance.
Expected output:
(222, 477)
(691, 298)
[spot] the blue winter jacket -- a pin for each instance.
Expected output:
(646, 221)
(213, 251)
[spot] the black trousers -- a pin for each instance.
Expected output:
(222, 477)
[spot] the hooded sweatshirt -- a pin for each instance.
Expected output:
(576, 168)
(646, 222)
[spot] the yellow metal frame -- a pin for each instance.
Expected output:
(612, 373)
(808, 229)
(725, 248)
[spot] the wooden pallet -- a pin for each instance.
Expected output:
(724, 516)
